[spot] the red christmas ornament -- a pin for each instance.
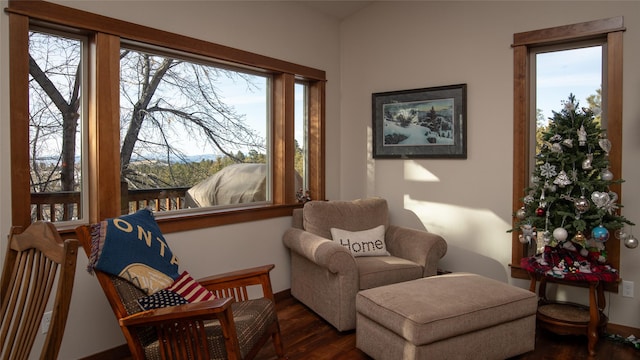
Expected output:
(540, 211)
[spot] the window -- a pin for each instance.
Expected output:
(608, 33)
(301, 139)
(146, 143)
(560, 70)
(56, 122)
(193, 134)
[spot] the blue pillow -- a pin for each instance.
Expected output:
(133, 248)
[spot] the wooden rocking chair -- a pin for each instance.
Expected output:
(36, 259)
(230, 327)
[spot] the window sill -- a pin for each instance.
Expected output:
(184, 222)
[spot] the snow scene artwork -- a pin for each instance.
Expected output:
(420, 123)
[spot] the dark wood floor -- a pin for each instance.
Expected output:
(306, 336)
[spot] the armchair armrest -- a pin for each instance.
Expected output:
(321, 251)
(234, 283)
(419, 246)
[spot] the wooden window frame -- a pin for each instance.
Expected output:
(611, 30)
(104, 35)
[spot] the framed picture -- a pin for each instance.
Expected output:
(421, 123)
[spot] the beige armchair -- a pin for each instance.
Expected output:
(326, 277)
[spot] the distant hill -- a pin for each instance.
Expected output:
(49, 160)
(187, 159)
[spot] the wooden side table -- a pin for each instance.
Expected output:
(565, 318)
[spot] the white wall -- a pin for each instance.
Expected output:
(289, 32)
(406, 45)
(386, 46)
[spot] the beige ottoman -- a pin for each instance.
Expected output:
(453, 316)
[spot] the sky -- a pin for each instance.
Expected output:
(559, 73)
(254, 106)
(250, 103)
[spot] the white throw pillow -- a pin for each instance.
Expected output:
(362, 243)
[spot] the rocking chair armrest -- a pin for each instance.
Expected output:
(210, 309)
(228, 284)
(236, 276)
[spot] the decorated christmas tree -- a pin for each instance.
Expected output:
(569, 201)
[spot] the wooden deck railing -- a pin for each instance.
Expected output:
(159, 199)
(55, 206)
(65, 205)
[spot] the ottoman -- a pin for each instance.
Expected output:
(453, 316)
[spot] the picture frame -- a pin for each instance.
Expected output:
(420, 123)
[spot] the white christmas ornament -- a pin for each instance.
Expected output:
(605, 144)
(606, 201)
(582, 136)
(631, 242)
(547, 170)
(600, 198)
(560, 234)
(574, 174)
(581, 204)
(586, 163)
(562, 180)
(528, 234)
(622, 235)
(606, 175)
(541, 242)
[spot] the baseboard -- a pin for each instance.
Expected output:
(282, 295)
(119, 352)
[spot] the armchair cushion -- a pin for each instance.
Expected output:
(357, 215)
(362, 243)
(377, 271)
